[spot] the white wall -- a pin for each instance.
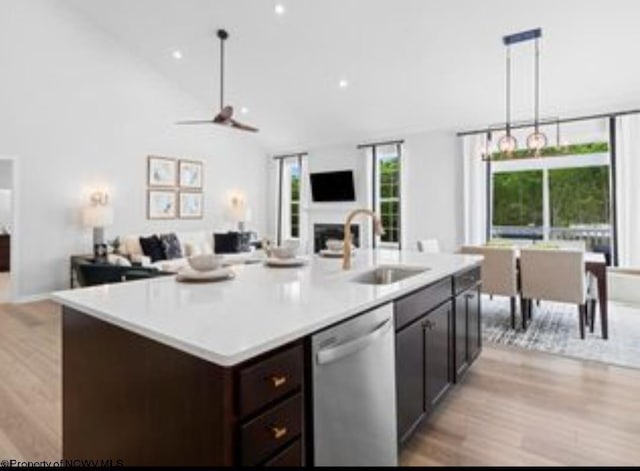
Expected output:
(432, 187)
(6, 183)
(6, 167)
(82, 114)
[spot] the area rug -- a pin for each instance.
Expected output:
(554, 329)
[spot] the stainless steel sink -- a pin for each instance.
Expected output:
(387, 274)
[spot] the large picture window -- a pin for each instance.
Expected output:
(565, 197)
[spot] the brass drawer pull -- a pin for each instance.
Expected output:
(279, 432)
(278, 381)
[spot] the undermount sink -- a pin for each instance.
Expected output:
(387, 274)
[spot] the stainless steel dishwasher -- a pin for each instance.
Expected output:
(354, 392)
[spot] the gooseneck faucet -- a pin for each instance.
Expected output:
(346, 248)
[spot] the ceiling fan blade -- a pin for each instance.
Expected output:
(244, 127)
(208, 121)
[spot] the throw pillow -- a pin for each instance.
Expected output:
(226, 243)
(171, 246)
(152, 248)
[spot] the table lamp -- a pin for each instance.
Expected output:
(97, 216)
(239, 213)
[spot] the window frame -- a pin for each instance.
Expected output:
(377, 193)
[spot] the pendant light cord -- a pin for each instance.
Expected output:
(508, 125)
(221, 73)
(537, 82)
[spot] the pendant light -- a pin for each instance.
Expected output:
(537, 140)
(507, 143)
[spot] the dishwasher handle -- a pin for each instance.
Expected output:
(329, 355)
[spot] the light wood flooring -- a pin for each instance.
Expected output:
(515, 407)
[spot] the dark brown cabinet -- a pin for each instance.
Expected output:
(422, 366)
(410, 378)
(468, 339)
(5, 253)
(437, 338)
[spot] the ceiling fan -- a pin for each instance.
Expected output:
(225, 115)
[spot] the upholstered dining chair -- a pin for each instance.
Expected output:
(499, 272)
(554, 275)
(429, 245)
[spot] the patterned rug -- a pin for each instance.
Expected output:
(554, 329)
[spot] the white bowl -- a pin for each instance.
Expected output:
(283, 252)
(335, 245)
(207, 262)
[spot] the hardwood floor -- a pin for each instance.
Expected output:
(4, 287)
(515, 407)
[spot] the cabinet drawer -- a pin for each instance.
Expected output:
(266, 433)
(289, 458)
(415, 305)
(465, 280)
(270, 379)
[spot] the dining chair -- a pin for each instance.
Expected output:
(554, 275)
(499, 272)
(429, 245)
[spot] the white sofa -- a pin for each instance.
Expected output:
(192, 243)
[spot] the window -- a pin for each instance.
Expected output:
(556, 197)
(294, 200)
(291, 195)
(387, 160)
(517, 204)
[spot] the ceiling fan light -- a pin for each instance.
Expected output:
(507, 144)
(536, 142)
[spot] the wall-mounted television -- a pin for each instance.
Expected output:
(329, 187)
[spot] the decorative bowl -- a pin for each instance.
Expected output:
(335, 245)
(284, 252)
(207, 262)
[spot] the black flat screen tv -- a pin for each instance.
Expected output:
(329, 187)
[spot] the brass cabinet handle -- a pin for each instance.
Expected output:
(278, 432)
(278, 381)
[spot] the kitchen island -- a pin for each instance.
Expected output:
(161, 372)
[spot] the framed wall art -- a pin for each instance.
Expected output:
(191, 174)
(191, 205)
(161, 204)
(162, 172)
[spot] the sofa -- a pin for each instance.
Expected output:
(191, 243)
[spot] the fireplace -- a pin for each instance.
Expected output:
(323, 232)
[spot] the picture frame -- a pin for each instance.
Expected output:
(191, 174)
(161, 204)
(162, 172)
(191, 205)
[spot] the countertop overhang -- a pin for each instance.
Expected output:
(263, 308)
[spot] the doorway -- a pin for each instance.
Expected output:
(7, 227)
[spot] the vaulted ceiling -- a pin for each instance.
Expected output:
(411, 64)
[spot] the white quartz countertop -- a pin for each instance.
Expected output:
(261, 309)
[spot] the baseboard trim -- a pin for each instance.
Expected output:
(35, 298)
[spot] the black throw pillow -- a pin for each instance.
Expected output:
(232, 242)
(171, 246)
(152, 248)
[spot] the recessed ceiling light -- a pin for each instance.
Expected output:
(177, 54)
(244, 110)
(280, 9)
(343, 83)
